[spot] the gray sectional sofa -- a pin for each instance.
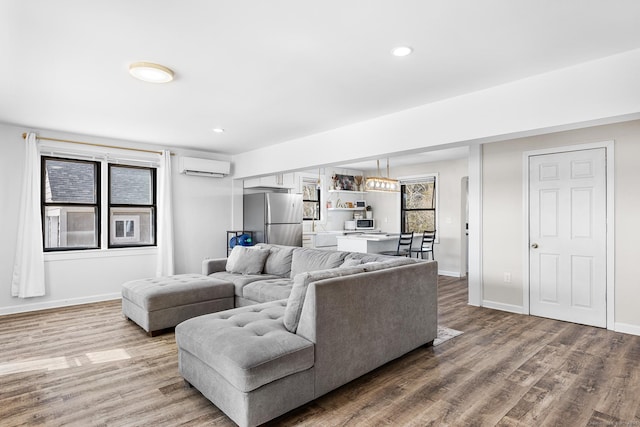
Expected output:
(306, 322)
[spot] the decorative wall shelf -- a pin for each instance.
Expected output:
(345, 209)
(347, 191)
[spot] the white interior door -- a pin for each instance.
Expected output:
(567, 236)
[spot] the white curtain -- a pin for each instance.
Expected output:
(165, 217)
(28, 269)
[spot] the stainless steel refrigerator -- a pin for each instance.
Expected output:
(274, 218)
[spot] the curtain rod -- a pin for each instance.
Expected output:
(24, 136)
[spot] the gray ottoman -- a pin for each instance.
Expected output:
(163, 302)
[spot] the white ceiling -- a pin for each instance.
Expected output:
(272, 71)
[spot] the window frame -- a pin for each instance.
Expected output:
(318, 210)
(414, 180)
(307, 181)
(96, 205)
(153, 205)
(102, 158)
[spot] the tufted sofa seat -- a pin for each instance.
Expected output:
(250, 345)
(163, 302)
(240, 281)
(268, 290)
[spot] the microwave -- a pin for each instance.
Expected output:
(365, 224)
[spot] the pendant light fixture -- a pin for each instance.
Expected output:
(379, 183)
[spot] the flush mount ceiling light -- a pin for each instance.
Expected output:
(218, 130)
(150, 72)
(379, 183)
(401, 51)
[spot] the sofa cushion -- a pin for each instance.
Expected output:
(279, 260)
(299, 291)
(171, 291)
(366, 257)
(241, 280)
(248, 346)
(394, 262)
(350, 263)
(268, 290)
(246, 260)
(307, 259)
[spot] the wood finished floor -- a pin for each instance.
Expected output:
(88, 366)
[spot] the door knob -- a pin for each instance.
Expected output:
(534, 245)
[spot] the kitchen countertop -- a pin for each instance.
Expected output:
(341, 232)
(377, 237)
(368, 242)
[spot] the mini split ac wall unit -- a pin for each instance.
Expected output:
(204, 167)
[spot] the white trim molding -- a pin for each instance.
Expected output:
(475, 225)
(625, 328)
(503, 307)
(58, 303)
(450, 273)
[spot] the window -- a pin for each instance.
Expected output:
(70, 204)
(418, 205)
(73, 211)
(310, 200)
(132, 206)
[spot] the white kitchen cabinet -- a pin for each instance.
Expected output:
(308, 240)
(289, 180)
(321, 240)
(251, 183)
(367, 243)
(281, 180)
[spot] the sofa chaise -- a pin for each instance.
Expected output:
(306, 322)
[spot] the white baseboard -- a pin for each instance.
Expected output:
(503, 307)
(625, 328)
(23, 308)
(450, 273)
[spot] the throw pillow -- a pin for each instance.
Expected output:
(307, 259)
(279, 259)
(246, 260)
(299, 292)
(350, 263)
(381, 265)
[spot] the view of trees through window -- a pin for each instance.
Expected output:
(418, 208)
(310, 200)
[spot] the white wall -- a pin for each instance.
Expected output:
(202, 214)
(203, 210)
(503, 215)
(386, 210)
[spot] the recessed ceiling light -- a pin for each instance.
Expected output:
(401, 51)
(218, 130)
(150, 72)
